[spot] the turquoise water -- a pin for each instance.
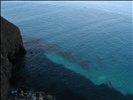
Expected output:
(99, 33)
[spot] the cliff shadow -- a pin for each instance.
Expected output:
(41, 74)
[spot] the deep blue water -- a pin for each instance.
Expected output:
(92, 39)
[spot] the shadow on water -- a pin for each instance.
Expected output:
(36, 71)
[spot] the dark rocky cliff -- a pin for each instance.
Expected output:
(11, 49)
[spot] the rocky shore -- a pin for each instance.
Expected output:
(11, 49)
(23, 93)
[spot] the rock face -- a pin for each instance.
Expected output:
(11, 49)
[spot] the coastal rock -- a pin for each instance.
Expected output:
(49, 97)
(11, 49)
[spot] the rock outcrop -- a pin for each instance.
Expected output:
(11, 49)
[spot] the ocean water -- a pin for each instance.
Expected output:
(92, 39)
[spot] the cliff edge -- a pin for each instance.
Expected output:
(11, 49)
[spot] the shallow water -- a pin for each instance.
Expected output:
(100, 34)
